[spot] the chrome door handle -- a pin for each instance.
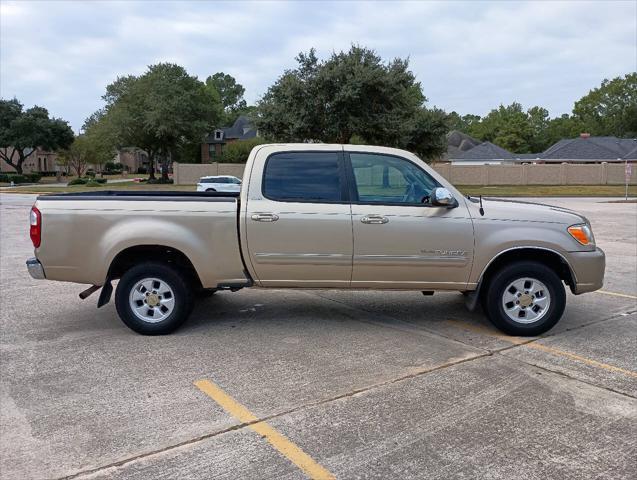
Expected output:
(265, 217)
(374, 219)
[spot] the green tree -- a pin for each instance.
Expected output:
(462, 123)
(100, 133)
(507, 126)
(610, 109)
(352, 94)
(228, 95)
(79, 155)
(159, 111)
(539, 123)
(426, 135)
(23, 131)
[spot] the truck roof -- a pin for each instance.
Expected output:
(348, 147)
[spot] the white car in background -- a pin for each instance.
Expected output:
(220, 183)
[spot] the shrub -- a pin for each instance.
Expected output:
(159, 180)
(113, 168)
(93, 183)
(34, 177)
(14, 177)
(237, 152)
(101, 181)
(78, 181)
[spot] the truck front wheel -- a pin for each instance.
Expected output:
(153, 299)
(525, 299)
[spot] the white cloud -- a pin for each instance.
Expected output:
(469, 56)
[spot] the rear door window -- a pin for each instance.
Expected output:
(304, 177)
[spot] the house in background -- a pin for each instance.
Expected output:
(488, 153)
(587, 149)
(41, 161)
(214, 144)
(134, 160)
(583, 149)
(457, 144)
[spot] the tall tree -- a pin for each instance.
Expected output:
(352, 94)
(79, 155)
(159, 111)
(610, 109)
(462, 123)
(427, 135)
(230, 92)
(23, 131)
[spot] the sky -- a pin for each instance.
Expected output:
(469, 56)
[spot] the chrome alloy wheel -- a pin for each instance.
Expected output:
(151, 300)
(526, 300)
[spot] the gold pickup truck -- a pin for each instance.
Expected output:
(317, 216)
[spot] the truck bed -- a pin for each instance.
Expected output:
(83, 232)
(139, 195)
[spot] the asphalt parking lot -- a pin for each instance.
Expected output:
(333, 384)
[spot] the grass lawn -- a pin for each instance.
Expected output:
(548, 190)
(114, 186)
(493, 191)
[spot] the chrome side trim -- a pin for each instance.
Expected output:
(303, 258)
(413, 260)
(35, 269)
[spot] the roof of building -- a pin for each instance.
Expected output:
(458, 143)
(486, 151)
(241, 129)
(631, 155)
(583, 148)
(591, 148)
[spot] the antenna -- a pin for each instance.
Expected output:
(481, 209)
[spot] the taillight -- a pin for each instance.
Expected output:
(35, 220)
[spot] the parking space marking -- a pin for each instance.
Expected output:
(531, 343)
(279, 441)
(615, 294)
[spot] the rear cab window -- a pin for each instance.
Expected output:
(316, 177)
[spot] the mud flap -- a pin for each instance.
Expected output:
(105, 294)
(471, 299)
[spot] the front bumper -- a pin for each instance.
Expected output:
(588, 269)
(35, 268)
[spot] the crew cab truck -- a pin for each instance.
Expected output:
(317, 216)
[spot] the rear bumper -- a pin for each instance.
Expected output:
(588, 268)
(35, 268)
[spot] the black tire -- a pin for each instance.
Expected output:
(210, 190)
(182, 294)
(496, 289)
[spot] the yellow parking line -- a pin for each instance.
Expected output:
(531, 343)
(579, 358)
(288, 449)
(615, 294)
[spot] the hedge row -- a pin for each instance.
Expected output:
(17, 178)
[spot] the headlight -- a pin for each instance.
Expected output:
(582, 233)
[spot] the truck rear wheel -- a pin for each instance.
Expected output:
(153, 299)
(525, 299)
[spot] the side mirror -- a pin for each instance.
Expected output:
(441, 197)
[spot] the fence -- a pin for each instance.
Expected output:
(530, 174)
(190, 173)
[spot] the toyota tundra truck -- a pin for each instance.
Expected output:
(317, 216)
